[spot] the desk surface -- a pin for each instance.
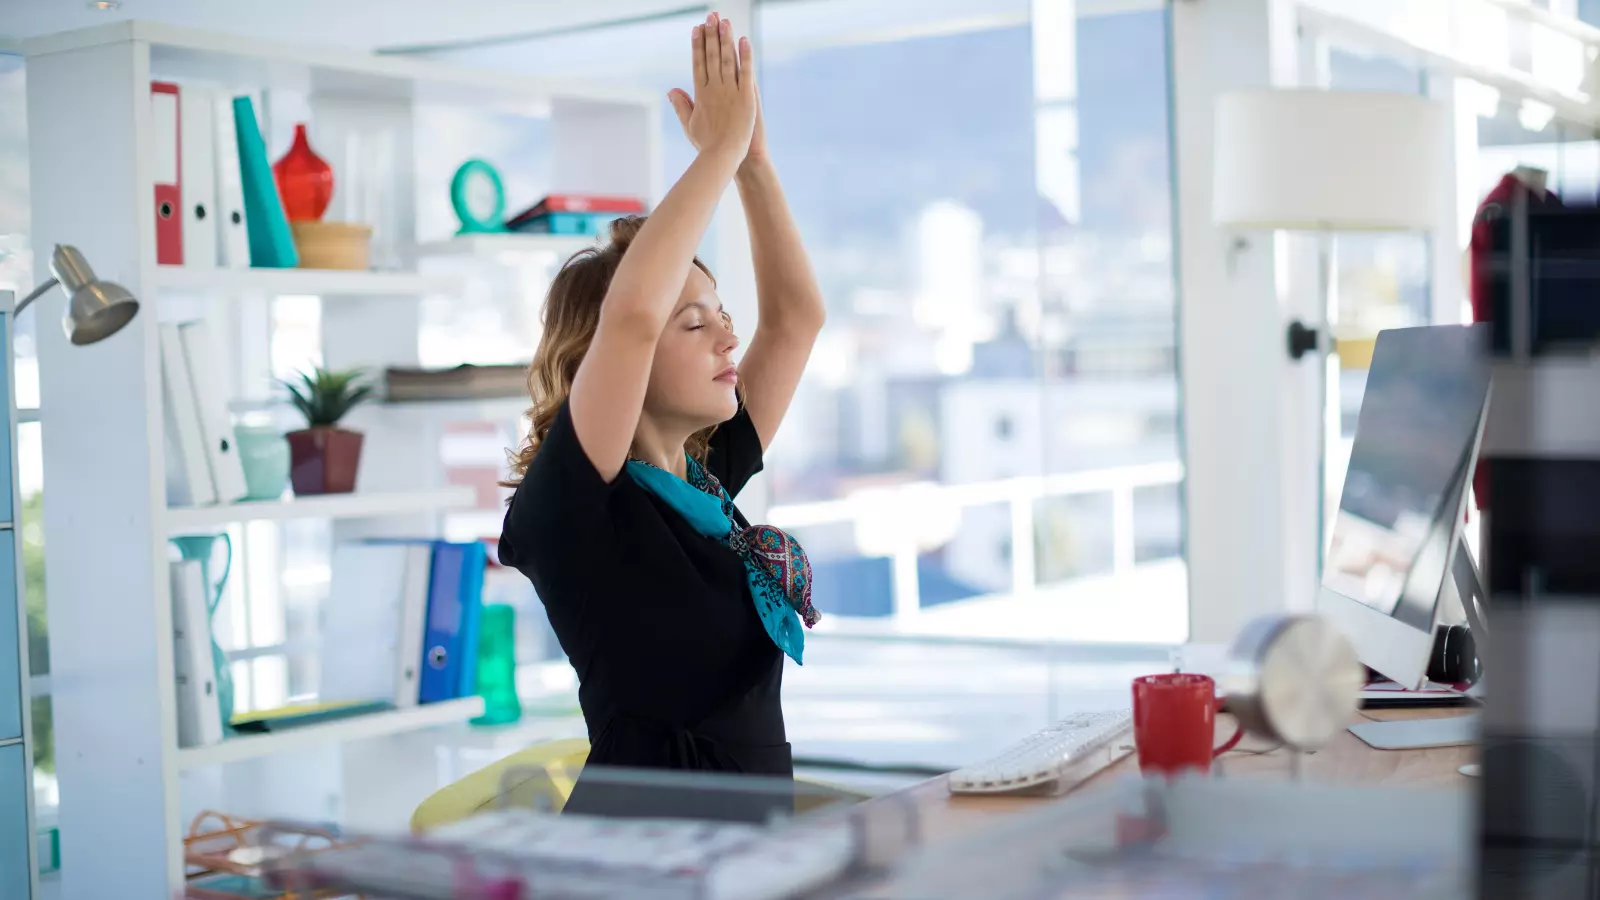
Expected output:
(1345, 759)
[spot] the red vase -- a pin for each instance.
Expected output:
(305, 181)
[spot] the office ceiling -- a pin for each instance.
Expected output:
(362, 24)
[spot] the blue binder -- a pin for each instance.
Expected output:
(455, 612)
(441, 642)
(474, 560)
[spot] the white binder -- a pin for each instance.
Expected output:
(198, 178)
(188, 472)
(199, 715)
(415, 588)
(361, 622)
(233, 239)
(209, 381)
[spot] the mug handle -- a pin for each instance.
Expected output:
(1230, 743)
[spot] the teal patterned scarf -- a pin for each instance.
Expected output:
(777, 567)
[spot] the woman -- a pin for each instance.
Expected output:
(674, 612)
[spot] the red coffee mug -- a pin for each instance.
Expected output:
(1175, 723)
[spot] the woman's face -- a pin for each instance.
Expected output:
(692, 377)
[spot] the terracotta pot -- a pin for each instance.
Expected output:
(324, 460)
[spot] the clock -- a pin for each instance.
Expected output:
(1293, 679)
(478, 198)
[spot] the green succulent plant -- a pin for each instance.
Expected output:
(324, 396)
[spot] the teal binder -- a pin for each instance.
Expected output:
(271, 244)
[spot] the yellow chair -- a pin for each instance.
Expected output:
(545, 777)
(546, 774)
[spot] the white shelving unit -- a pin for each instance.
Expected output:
(181, 519)
(190, 54)
(126, 786)
(314, 282)
(335, 731)
(492, 246)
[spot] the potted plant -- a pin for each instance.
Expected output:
(323, 457)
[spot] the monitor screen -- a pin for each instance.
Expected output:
(1415, 443)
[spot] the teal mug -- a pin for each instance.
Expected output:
(264, 454)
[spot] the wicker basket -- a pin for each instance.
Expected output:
(332, 245)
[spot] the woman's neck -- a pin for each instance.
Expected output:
(662, 447)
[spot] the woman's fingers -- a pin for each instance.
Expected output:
(747, 69)
(730, 63)
(710, 52)
(697, 44)
(682, 105)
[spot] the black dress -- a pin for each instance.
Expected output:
(675, 670)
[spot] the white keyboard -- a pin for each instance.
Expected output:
(1067, 752)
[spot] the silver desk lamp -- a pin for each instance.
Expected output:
(95, 309)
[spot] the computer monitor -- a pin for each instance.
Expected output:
(1395, 548)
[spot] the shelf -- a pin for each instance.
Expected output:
(475, 408)
(336, 731)
(331, 506)
(186, 53)
(314, 282)
(491, 246)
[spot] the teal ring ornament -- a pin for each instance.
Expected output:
(471, 222)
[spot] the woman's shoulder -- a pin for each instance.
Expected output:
(560, 467)
(561, 497)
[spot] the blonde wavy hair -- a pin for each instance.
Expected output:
(571, 315)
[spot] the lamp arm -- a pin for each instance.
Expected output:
(36, 294)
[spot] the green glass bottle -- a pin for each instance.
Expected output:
(497, 666)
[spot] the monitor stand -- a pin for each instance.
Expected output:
(1444, 731)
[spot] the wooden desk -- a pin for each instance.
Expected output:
(1345, 759)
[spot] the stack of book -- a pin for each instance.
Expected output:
(464, 382)
(574, 214)
(503, 853)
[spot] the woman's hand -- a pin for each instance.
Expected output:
(757, 154)
(721, 118)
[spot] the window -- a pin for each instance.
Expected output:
(16, 274)
(1380, 280)
(987, 202)
(1482, 33)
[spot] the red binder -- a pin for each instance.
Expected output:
(169, 186)
(578, 203)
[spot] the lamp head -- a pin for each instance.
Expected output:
(95, 309)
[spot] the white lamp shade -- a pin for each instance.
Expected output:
(1337, 160)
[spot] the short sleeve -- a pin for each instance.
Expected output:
(562, 497)
(735, 452)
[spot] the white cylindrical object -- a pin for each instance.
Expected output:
(1337, 160)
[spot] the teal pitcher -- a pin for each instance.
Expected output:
(202, 547)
